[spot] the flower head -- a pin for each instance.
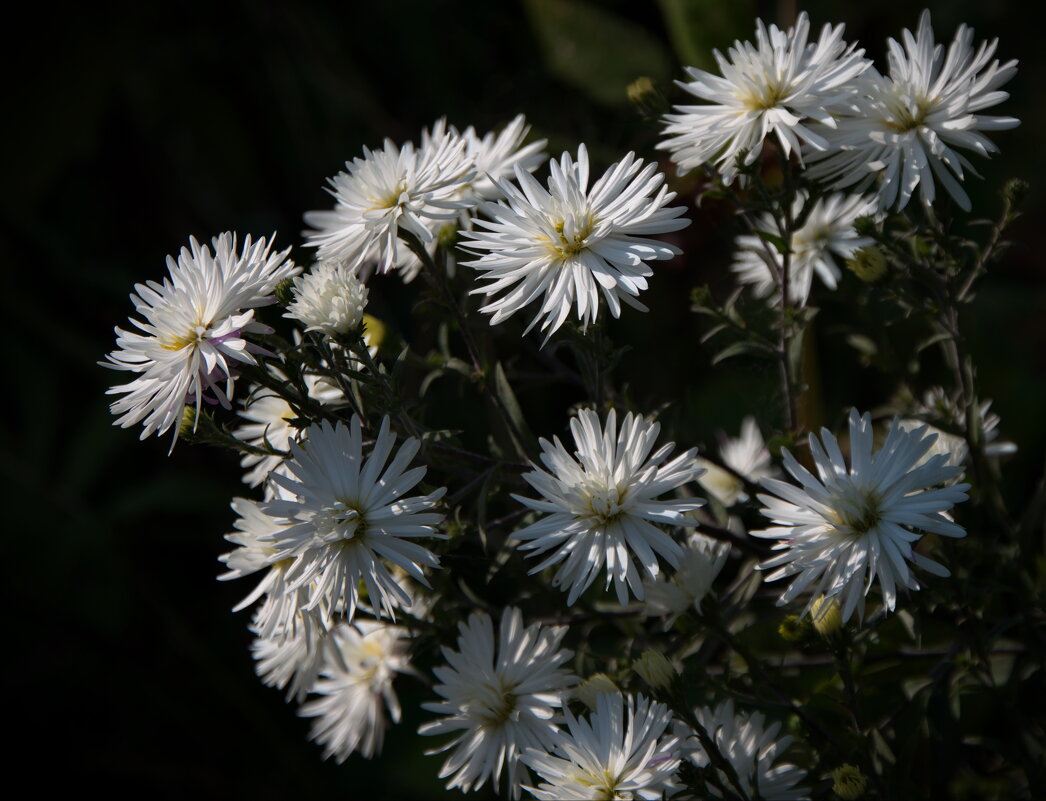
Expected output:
(570, 244)
(703, 558)
(750, 747)
(388, 189)
(777, 86)
(495, 157)
(907, 127)
(938, 408)
(601, 504)
(747, 455)
(192, 335)
(847, 526)
(347, 520)
(329, 298)
(827, 233)
(501, 698)
(355, 688)
(617, 753)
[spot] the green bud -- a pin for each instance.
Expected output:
(655, 669)
(588, 691)
(792, 629)
(448, 237)
(187, 426)
(826, 615)
(865, 226)
(646, 97)
(869, 264)
(848, 782)
(1014, 191)
(285, 292)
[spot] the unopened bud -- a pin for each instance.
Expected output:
(589, 690)
(284, 292)
(1014, 191)
(848, 782)
(792, 629)
(373, 331)
(448, 237)
(655, 669)
(826, 615)
(187, 426)
(646, 97)
(869, 264)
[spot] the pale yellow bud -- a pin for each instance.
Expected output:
(375, 331)
(826, 615)
(588, 691)
(653, 668)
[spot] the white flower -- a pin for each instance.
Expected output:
(746, 455)
(846, 527)
(347, 518)
(777, 87)
(703, 558)
(355, 686)
(495, 157)
(192, 335)
(936, 405)
(906, 127)
(329, 298)
(749, 747)
(502, 698)
(388, 189)
(615, 754)
(571, 244)
(599, 504)
(293, 661)
(827, 231)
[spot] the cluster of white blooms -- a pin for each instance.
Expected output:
(338, 545)
(857, 128)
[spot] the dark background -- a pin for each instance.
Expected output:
(129, 128)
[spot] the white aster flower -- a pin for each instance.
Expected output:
(329, 298)
(499, 699)
(571, 244)
(348, 520)
(907, 127)
(600, 504)
(848, 526)
(292, 661)
(746, 455)
(826, 234)
(937, 406)
(495, 157)
(777, 86)
(193, 330)
(355, 688)
(618, 753)
(750, 747)
(387, 189)
(703, 558)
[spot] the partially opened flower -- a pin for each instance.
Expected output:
(827, 234)
(747, 455)
(778, 86)
(849, 526)
(355, 688)
(495, 156)
(685, 588)
(193, 334)
(572, 245)
(329, 298)
(617, 753)
(752, 749)
(500, 697)
(908, 128)
(601, 504)
(348, 520)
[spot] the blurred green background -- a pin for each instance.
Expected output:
(130, 127)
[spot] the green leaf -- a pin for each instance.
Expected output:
(743, 349)
(594, 50)
(514, 411)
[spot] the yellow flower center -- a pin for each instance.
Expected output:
(570, 244)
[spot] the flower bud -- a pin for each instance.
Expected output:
(588, 691)
(826, 615)
(792, 629)
(655, 669)
(848, 782)
(374, 332)
(284, 292)
(869, 264)
(187, 426)
(647, 98)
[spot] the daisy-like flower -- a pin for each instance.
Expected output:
(778, 86)
(601, 504)
(750, 747)
(570, 244)
(937, 406)
(906, 127)
(499, 698)
(387, 189)
(826, 234)
(703, 558)
(355, 689)
(848, 526)
(495, 157)
(329, 298)
(618, 753)
(192, 335)
(746, 455)
(347, 519)
(291, 661)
